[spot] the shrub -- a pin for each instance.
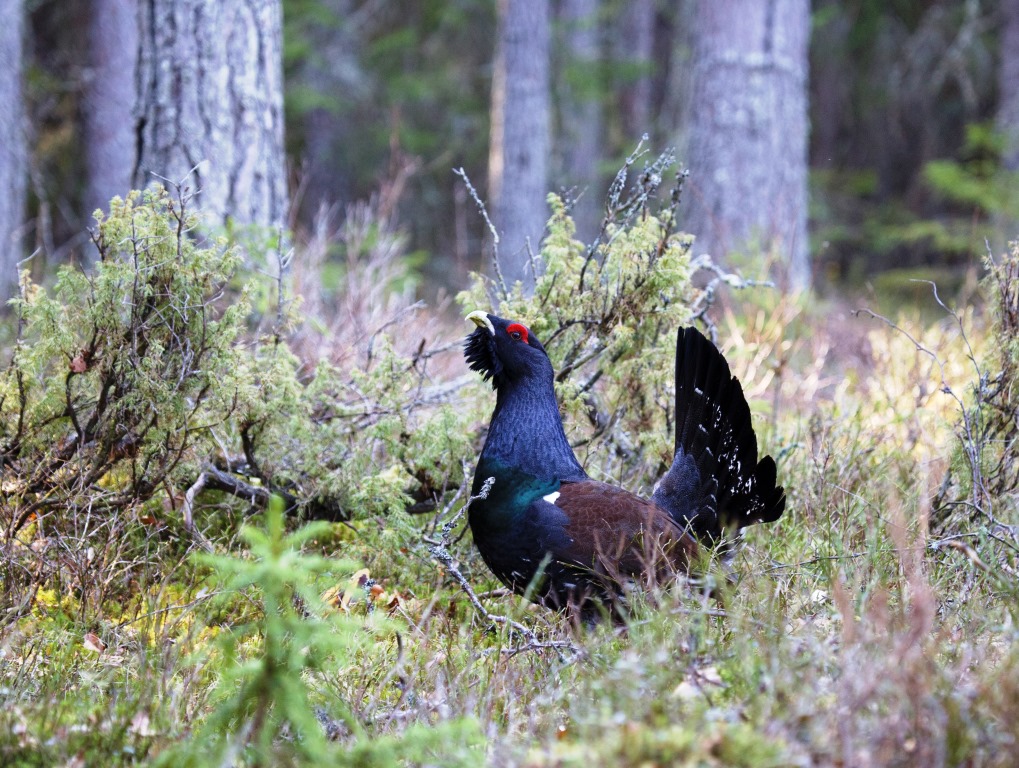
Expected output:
(118, 377)
(607, 314)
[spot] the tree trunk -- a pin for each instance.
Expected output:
(211, 96)
(13, 151)
(833, 75)
(321, 132)
(109, 102)
(518, 156)
(634, 52)
(748, 135)
(1008, 83)
(1007, 118)
(580, 116)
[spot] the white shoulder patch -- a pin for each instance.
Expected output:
(551, 497)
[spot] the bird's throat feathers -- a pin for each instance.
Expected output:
(526, 433)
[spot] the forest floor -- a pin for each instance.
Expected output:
(871, 625)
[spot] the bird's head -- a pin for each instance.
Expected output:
(504, 350)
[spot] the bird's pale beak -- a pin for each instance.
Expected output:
(481, 320)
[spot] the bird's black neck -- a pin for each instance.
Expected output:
(527, 433)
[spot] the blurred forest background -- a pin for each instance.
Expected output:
(910, 155)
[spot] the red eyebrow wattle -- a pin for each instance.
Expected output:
(518, 328)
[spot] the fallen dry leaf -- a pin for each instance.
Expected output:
(94, 643)
(393, 604)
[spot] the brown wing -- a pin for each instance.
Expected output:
(620, 534)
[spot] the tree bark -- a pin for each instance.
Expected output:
(1007, 117)
(580, 115)
(109, 102)
(13, 149)
(519, 150)
(1008, 83)
(634, 51)
(211, 105)
(748, 134)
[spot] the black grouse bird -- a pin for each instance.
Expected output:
(589, 539)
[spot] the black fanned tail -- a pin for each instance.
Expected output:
(715, 481)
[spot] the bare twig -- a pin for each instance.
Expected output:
(283, 260)
(971, 440)
(706, 299)
(188, 509)
(189, 499)
(483, 210)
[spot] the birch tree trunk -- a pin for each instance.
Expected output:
(211, 98)
(519, 150)
(109, 102)
(580, 113)
(13, 151)
(747, 147)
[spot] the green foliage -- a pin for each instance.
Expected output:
(77, 422)
(256, 700)
(263, 710)
(977, 180)
(607, 315)
(972, 190)
(414, 72)
(352, 442)
(155, 383)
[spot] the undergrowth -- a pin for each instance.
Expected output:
(874, 624)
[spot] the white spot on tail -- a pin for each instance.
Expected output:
(551, 497)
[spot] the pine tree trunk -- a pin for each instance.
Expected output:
(1006, 223)
(1008, 85)
(634, 51)
(109, 103)
(518, 156)
(13, 151)
(748, 136)
(211, 96)
(580, 113)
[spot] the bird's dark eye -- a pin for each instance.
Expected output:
(517, 332)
